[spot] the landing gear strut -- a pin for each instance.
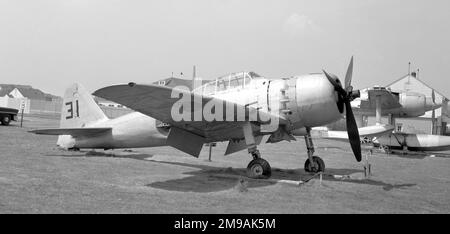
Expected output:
(258, 168)
(313, 164)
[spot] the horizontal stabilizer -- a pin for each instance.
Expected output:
(74, 132)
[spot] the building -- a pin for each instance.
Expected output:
(33, 100)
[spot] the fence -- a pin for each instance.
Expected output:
(41, 106)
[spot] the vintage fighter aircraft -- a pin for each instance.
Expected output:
(294, 104)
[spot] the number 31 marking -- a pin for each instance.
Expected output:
(70, 110)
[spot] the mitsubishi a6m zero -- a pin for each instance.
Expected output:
(293, 105)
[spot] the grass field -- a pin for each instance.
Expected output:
(36, 177)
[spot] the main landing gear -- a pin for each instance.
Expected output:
(313, 164)
(258, 168)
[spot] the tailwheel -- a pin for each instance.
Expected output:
(259, 169)
(317, 166)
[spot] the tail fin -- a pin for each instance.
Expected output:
(79, 108)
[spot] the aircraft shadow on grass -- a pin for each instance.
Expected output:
(210, 179)
(412, 157)
(213, 179)
(93, 154)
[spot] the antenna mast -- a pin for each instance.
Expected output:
(409, 71)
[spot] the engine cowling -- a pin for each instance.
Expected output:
(413, 105)
(313, 101)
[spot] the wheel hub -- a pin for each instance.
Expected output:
(314, 166)
(257, 170)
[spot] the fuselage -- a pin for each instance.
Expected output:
(415, 142)
(302, 101)
(133, 130)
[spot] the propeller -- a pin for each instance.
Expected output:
(345, 96)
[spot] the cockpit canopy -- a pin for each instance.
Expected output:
(227, 82)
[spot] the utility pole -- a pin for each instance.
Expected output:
(22, 107)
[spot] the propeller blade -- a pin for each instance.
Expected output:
(338, 87)
(352, 131)
(349, 74)
(347, 96)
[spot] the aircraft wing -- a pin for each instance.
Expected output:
(371, 131)
(389, 100)
(156, 101)
(74, 132)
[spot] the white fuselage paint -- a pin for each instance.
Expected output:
(316, 102)
(133, 130)
(415, 142)
(304, 101)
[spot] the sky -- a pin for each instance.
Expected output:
(51, 44)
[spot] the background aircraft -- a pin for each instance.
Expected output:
(414, 142)
(380, 101)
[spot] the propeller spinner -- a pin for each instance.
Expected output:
(345, 97)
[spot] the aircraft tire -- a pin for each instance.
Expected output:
(320, 165)
(259, 169)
